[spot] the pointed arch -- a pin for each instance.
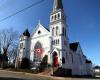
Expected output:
(55, 59)
(38, 51)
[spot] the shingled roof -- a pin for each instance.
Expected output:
(73, 46)
(26, 33)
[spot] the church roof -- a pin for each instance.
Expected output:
(26, 33)
(88, 61)
(57, 5)
(74, 46)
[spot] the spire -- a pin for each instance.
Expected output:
(57, 5)
(26, 33)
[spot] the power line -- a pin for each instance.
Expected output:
(34, 4)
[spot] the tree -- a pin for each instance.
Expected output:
(25, 64)
(8, 39)
(12, 54)
(1, 58)
(43, 63)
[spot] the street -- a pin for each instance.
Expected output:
(10, 75)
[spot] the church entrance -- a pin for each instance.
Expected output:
(55, 59)
(38, 51)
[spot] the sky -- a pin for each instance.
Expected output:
(83, 19)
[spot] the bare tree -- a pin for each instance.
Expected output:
(8, 38)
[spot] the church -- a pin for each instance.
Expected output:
(55, 44)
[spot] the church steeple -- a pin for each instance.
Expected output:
(57, 5)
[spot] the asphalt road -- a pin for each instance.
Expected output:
(3, 78)
(9, 75)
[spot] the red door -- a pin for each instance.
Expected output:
(55, 60)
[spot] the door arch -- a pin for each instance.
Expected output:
(55, 59)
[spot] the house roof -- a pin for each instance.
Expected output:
(74, 46)
(97, 67)
(26, 33)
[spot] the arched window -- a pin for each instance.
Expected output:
(58, 41)
(38, 45)
(54, 42)
(52, 18)
(53, 31)
(38, 51)
(58, 15)
(63, 60)
(56, 30)
(55, 17)
(21, 45)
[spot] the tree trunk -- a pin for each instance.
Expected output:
(5, 59)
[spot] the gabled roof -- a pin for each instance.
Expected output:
(39, 26)
(26, 33)
(74, 46)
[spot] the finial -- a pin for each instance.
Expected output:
(39, 22)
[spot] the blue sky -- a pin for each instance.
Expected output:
(83, 18)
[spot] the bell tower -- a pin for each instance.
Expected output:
(58, 31)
